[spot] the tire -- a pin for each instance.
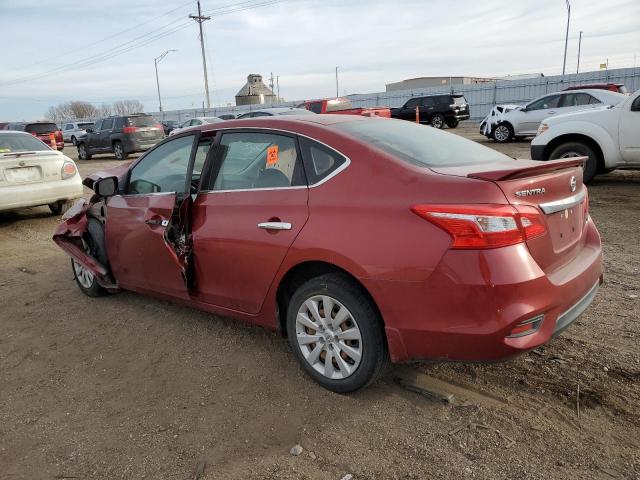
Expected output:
(94, 245)
(452, 123)
(60, 207)
(74, 141)
(578, 149)
(346, 372)
(82, 152)
(518, 139)
(119, 151)
(437, 121)
(502, 133)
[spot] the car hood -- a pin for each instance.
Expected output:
(580, 115)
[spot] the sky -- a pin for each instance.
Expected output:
(55, 51)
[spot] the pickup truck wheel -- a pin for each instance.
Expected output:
(82, 152)
(578, 149)
(437, 121)
(336, 333)
(502, 133)
(452, 123)
(60, 207)
(118, 151)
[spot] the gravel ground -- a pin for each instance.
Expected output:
(126, 386)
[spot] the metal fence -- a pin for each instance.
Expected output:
(481, 97)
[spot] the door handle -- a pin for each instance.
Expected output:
(275, 226)
(552, 112)
(157, 221)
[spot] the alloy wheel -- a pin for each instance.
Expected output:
(501, 133)
(571, 155)
(84, 276)
(328, 337)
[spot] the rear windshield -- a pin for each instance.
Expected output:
(84, 126)
(419, 145)
(459, 100)
(16, 142)
(141, 121)
(41, 128)
(341, 104)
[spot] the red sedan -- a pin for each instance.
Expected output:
(363, 239)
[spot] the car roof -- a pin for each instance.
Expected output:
(276, 110)
(284, 121)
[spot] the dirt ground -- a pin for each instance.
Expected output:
(127, 387)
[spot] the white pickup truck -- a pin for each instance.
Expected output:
(609, 136)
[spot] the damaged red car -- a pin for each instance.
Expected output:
(362, 239)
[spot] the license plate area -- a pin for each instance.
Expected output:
(565, 227)
(23, 174)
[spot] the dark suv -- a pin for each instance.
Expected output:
(121, 135)
(435, 110)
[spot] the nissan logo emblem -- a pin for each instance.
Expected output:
(573, 184)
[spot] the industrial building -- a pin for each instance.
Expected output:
(426, 82)
(255, 92)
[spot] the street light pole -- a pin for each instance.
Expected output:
(566, 38)
(337, 90)
(579, 45)
(156, 61)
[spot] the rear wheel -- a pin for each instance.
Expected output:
(452, 123)
(437, 121)
(60, 207)
(336, 333)
(119, 151)
(83, 154)
(502, 133)
(578, 149)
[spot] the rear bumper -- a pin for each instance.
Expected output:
(471, 302)
(136, 145)
(35, 194)
(461, 117)
(537, 152)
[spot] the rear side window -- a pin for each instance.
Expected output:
(459, 100)
(84, 126)
(419, 145)
(141, 121)
(315, 107)
(578, 99)
(257, 160)
(41, 128)
(319, 161)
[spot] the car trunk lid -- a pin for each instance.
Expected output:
(17, 168)
(555, 188)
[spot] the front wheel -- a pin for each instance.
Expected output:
(118, 151)
(437, 121)
(336, 333)
(502, 133)
(452, 123)
(74, 141)
(93, 243)
(578, 149)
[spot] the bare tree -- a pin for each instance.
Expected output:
(80, 109)
(105, 110)
(127, 107)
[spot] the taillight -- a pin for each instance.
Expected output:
(129, 129)
(68, 169)
(159, 125)
(484, 226)
(58, 135)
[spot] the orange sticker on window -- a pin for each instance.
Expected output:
(272, 155)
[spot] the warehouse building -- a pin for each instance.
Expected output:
(426, 82)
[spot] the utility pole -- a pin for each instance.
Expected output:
(272, 86)
(200, 19)
(566, 38)
(156, 61)
(278, 87)
(579, 44)
(337, 90)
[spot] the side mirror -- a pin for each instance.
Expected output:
(106, 187)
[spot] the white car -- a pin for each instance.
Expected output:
(72, 131)
(609, 136)
(507, 122)
(33, 174)
(194, 122)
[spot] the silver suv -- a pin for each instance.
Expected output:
(71, 131)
